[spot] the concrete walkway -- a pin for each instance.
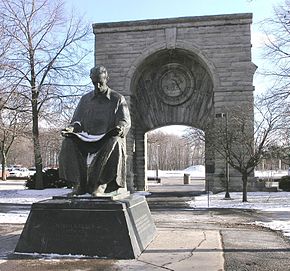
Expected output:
(172, 249)
(183, 249)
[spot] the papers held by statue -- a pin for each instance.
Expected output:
(84, 136)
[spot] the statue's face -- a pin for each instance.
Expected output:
(99, 76)
(102, 77)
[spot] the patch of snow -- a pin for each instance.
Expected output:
(196, 168)
(25, 196)
(13, 218)
(256, 200)
(12, 185)
(165, 173)
(29, 196)
(55, 257)
(197, 171)
(279, 225)
(270, 174)
(273, 202)
(142, 193)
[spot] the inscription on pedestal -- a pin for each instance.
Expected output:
(74, 229)
(143, 223)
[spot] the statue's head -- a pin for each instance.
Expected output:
(99, 74)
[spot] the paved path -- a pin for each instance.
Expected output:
(183, 249)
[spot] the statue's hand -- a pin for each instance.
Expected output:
(77, 128)
(117, 131)
(72, 128)
(68, 129)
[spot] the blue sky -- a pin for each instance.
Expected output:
(117, 10)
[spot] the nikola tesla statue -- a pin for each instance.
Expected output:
(93, 153)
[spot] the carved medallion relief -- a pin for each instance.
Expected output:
(175, 84)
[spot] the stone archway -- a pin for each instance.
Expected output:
(171, 86)
(178, 71)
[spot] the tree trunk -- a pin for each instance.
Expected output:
(4, 162)
(245, 185)
(36, 146)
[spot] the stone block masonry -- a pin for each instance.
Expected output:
(177, 71)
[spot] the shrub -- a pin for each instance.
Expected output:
(50, 180)
(284, 183)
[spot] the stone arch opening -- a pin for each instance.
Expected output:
(170, 87)
(174, 147)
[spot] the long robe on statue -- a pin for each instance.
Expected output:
(97, 114)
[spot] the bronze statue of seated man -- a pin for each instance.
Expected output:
(93, 153)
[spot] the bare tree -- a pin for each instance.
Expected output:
(233, 138)
(170, 152)
(44, 58)
(14, 123)
(277, 52)
(195, 139)
(275, 157)
(50, 141)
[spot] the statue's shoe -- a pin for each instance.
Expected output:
(78, 190)
(100, 190)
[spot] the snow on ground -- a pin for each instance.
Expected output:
(14, 217)
(197, 171)
(256, 200)
(17, 194)
(270, 174)
(27, 196)
(276, 204)
(277, 225)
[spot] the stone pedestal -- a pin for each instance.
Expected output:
(116, 229)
